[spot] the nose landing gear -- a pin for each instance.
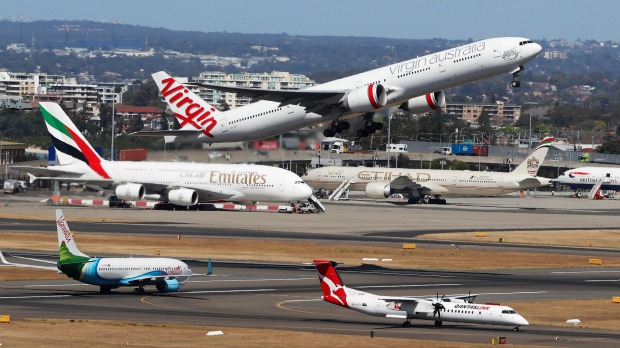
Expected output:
(515, 73)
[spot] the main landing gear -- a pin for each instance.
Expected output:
(105, 290)
(438, 323)
(336, 127)
(407, 323)
(138, 291)
(370, 127)
(516, 329)
(515, 83)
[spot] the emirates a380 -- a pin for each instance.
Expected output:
(414, 85)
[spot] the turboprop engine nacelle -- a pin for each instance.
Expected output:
(183, 196)
(130, 191)
(378, 190)
(425, 103)
(365, 99)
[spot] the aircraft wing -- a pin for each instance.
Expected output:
(405, 184)
(314, 101)
(412, 300)
(5, 263)
(175, 132)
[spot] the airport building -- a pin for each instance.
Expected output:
(501, 114)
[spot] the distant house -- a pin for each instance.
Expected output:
(150, 116)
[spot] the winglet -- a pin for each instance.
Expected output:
(4, 261)
(66, 244)
(334, 290)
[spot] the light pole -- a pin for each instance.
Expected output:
(389, 139)
(113, 125)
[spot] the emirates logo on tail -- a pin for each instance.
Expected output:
(193, 113)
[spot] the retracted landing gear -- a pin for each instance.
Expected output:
(515, 73)
(336, 127)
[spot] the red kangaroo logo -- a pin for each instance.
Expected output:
(195, 114)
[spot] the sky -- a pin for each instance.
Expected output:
(400, 19)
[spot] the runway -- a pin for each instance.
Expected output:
(288, 296)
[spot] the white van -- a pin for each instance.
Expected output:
(396, 148)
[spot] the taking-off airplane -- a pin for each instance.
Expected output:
(415, 85)
(183, 184)
(455, 308)
(422, 184)
(109, 273)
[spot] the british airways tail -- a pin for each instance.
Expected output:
(535, 159)
(70, 144)
(192, 112)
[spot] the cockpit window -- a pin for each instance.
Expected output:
(525, 42)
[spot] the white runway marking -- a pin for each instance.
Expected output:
(512, 293)
(225, 291)
(601, 280)
(250, 280)
(405, 286)
(576, 272)
(46, 296)
(54, 285)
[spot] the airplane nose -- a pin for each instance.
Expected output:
(537, 48)
(522, 321)
(306, 191)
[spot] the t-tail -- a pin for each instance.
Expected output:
(70, 144)
(334, 291)
(535, 159)
(69, 252)
(192, 112)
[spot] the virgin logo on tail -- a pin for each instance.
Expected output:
(61, 222)
(195, 114)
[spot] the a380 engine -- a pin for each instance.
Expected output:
(169, 285)
(183, 196)
(425, 103)
(130, 191)
(365, 99)
(378, 190)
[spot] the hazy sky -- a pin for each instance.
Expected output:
(451, 19)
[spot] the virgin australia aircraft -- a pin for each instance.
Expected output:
(110, 273)
(414, 85)
(184, 184)
(421, 184)
(458, 309)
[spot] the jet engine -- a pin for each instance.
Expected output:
(425, 103)
(366, 99)
(183, 196)
(378, 190)
(169, 285)
(130, 191)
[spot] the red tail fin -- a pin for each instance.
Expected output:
(333, 288)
